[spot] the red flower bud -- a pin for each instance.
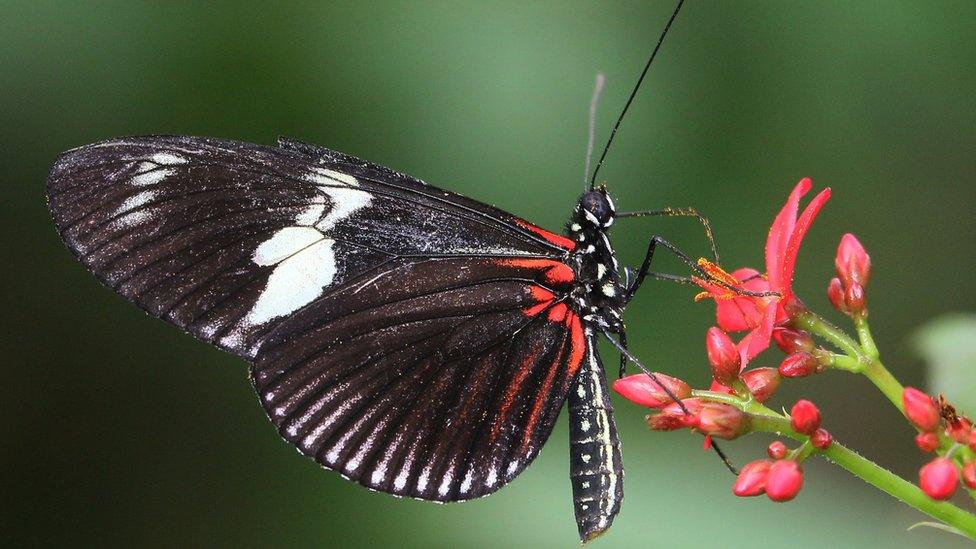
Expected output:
(723, 356)
(641, 389)
(791, 341)
(854, 299)
(777, 450)
(784, 480)
(939, 478)
(799, 364)
(969, 474)
(722, 421)
(805, 417)
(821, 439)
(673, 416)
(960, 430)
(920, 409)
(927, 442)
(752, 479)
(762, 382)
(852, 262)
(835, 293)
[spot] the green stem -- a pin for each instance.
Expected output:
(864, 335)
(866, 358)
(879, 477)
(885, 382)
(901, 489)
(815, 324)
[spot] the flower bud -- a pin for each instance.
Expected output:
(852, 261)
(791, 341)
(762, 382)
(777, 450)
(969, 475)
(752, 479)
(784, 480)
(722, 421)
(927, 442)
(821, 439)
(805, 417)
(835, 293)
(960, 430)
(723, 356)
(672, 416)
(920, 409)
(641, 389)
(939, 478)
(854, 299)
(799, 364)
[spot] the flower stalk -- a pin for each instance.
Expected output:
(766, 308)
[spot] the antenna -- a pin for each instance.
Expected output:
(634, 92)
(594, 100)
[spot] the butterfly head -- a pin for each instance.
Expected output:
(596, 208)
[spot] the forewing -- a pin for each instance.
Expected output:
(441, 382)
(227, 240)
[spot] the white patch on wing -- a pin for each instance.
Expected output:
(344, 194)
(156, 168)
(303, 255)
(151, 177)
(311, 215)
(285, 243)
(295, 282)
(135, 201)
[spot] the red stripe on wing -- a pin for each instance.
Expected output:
(552, 238)
(555, 273)
(579, 343)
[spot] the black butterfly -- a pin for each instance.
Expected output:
(416, 341)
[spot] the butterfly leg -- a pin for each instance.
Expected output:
(623, 358)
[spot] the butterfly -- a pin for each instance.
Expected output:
(417, 342)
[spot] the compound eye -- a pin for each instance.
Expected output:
(596, 207)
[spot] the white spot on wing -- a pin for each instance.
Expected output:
(135, 201)
(311, 215)
(285, 243)
(152, 177)
(295, 282)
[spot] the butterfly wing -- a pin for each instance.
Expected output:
(413, 339)
(226, 239)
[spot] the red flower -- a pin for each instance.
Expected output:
(752, 479)
(762, 382)
(790, 340)
(969, 474)
(852, 261)
(736, 312)
(805, 417)
(722, 421)
(939, 478)
(673, 416)
(799, 364)
(821, 439)
(927, 442)
(641, 389)
(784, 480)
(777, 450)
(920, 409)
(722, 355)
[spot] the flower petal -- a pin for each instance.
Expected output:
(780, 232)
(799, 231)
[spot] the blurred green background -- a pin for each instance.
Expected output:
(120, 430)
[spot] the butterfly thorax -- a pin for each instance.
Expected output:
(598, 296)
